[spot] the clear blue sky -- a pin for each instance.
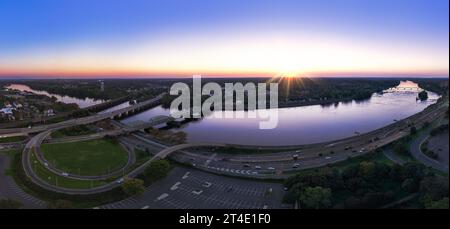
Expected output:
(48, 28)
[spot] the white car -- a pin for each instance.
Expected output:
(65, 174)
(257, 167)
(327, 158)
(271, 168)
(120, 181)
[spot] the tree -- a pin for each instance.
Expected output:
(440, 204)
(423, 95)
(133, 187)
(60, 204)
(410, 185)
(367, 169)
(401, 148)
(10, 204)
(316, 197)
(156, 170)
(413, 130)
(435, 187)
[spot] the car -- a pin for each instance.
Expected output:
(46, 164)
(295, 156)
(247, 166)
(120, 181)
(296, 165)
(271, 168)
(258, 167)
(327, 158)
(65, 174)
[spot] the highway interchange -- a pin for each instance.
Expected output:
(204, 160)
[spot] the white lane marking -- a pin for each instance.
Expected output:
(186, 175)
(175, 186)
(163, 196)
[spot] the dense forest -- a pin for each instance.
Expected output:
(368, 185)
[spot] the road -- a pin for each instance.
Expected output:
(271, 165)
(131, 160)
(10, 190)
(418, 155)
(280, 164)
(391, 156)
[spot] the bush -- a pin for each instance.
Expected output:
(133, 187)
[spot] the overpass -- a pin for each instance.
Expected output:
(86, 120)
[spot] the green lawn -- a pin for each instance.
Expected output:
(61, 181)
(95, 157)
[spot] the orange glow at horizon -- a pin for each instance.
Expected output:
(253, 55)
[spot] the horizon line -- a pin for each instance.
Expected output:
(166, 75)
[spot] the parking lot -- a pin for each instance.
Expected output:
(191, 189)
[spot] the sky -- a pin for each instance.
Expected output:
(147, 38)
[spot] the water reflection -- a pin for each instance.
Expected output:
(82, 103)
(304, 125)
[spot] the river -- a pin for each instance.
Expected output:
(307, 124)
(82, 103)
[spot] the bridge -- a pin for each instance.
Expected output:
(404, 89)
(86, 120)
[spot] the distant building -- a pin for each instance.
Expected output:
(102, 85)
(49, 113)
(7, 111)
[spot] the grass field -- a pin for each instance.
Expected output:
(61, 181)
(88, 158)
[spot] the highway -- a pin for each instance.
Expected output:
(275, 165)
(34, 143)
(278, 165)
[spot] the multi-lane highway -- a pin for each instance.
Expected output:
(268, 165)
